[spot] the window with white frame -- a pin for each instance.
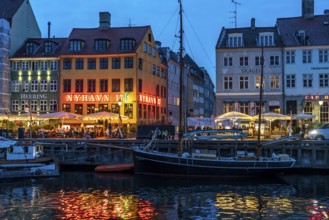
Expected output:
(15, 65)
(266, 39)
(43, 65)
(235, 40)
(291, 81)
(243, 61)
(228, 61)
(323, 56)
(257, 82)
(307, 80)
(14, 105)
(14, 86)
(244, 107)
(290, 57)
(25, 86)
(34, 105)
(275, 81)
(43, 105)
(274, 60)
(244, 82)
(43, 86)
(307, 56)
(35, 65)
(25, 65)
(34, 86)
(53, 86)
(228, 82)
(154, 51)
(324, 80)
(24, 104)
(53, 65)
(53, 105)
(258, 60)
(145, 47)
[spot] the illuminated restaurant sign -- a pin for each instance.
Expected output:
(149, 99)
(88, 98)
(33, 96)
(317, 97)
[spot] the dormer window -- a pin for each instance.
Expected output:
(76, 45)
(127, 44)
(102, 44)
(301, 35)
(48, 47)
(265, 39)
(31, 47)
(235, 40)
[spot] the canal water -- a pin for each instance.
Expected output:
(86, 195)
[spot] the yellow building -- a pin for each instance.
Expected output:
(102, 66)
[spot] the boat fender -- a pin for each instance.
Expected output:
(186, 155)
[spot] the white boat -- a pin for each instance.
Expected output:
(25, 160)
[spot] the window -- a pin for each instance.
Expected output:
(53, 65)
(257, 81)
(266, 39)
(35, 65)
(128, 86)
(53, 106)
(145, 47)
(154, 69)
(324, 80)
(66, 85)
(234, 40)
(291, 80)
(127, 44)
(79, 85)
(48, 47)
(128, 110)
(228, 107)
(102, 44)
(44, 65)
(91, 63)
(129, 62)
(66, 107)
(43, 86)
(140, 85)
(25, 65)
(244, 107)
(53, 86)
(154, 51)
(67, 63)
(79, 63)
(323, 56)
(103, 63)
(14, 86)
(158, 71)
(116, 63)
(15, 65)
(34, 86)
(274, 60)
(91, 85)
(24, 104)
(307, 80)
(43, 105)
(30, 48)
(78, 109)
(243, 61)
(308, 108)
(90, 108)
(76, 45)
(275, 81)
(25, 86)
(290, 56)
(34, 105)
(103, 107)
(324, 115)
(228, 82)
(258, 60)
(14, 105)
(115, 85)
(149, 49)
(244, 82)
(228, 61)
(307, 56)
(103, 85)
(140, 63)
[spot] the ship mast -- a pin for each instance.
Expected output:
(260, 102)
(181, 78)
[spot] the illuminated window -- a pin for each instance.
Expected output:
(103, 107)
(78, 109)
(66, 107)
(275, 81)
(90, 108)
(128, 110)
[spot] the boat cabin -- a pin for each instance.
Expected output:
(25, 151)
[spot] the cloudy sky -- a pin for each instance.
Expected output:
(203, 19)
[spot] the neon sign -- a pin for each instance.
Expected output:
(316, 97)
(149, 99)
(87, 98)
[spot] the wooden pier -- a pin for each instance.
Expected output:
(73, 153)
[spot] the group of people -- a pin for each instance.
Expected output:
(113, 131)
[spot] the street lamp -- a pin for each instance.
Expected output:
(119, 103)
(320, 104)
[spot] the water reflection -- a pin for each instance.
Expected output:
(77, 195)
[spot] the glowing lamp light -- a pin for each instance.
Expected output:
(320, 102)
(119, 102)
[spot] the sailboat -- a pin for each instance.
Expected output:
(203, 162)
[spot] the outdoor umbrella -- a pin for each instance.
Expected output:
(272, 116)
(23, 117)
(104, 115)
(233, 116)
(60, 115)
(303, 116)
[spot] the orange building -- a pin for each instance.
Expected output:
(102, 66)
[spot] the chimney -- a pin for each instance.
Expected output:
(49, 24)
(253, 24)
(308, 8)
(104, 20)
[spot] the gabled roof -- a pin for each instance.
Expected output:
(113, 34)
(316, 29)
(8, 8)
(189, 62)
(40, 50)
(249, 36)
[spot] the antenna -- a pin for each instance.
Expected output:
(130, 24)
(235, 12)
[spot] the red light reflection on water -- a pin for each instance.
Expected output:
(98, 204)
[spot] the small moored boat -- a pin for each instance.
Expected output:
(115, 168)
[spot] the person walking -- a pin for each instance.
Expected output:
(110, 130)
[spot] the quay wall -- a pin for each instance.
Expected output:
(82, 153)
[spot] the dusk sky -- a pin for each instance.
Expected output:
(203, 19)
